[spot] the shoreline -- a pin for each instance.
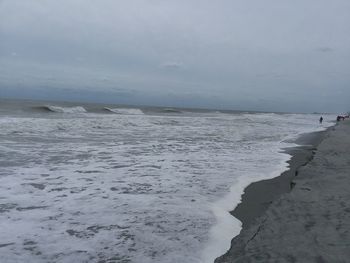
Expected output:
(258, 196)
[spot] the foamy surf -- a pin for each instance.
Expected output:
(170, 179)
(228, 226)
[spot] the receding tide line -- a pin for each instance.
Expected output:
(227, 226)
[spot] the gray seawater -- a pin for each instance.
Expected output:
(105, 183)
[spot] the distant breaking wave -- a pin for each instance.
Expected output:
(170, 110)
(126, 111)
(57, 109)
(121, 111)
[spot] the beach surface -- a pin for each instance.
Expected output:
(311, 221)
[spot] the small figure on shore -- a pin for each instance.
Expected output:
(340, 118)
(321, 120)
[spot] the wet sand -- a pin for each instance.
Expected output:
(304, 214)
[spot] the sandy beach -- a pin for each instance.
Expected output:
(303, 215)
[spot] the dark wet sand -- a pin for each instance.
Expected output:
(309, 223)
(258, 196)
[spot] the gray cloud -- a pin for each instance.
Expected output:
(256, 54)
(172, 65)
(325, 49)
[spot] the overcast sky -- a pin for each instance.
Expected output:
(274, 55)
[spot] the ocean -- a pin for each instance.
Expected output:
(105, 183)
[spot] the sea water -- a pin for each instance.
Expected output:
(140, 185)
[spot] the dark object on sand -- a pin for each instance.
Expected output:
(321, 120)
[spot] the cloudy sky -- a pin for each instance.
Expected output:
(274, 55)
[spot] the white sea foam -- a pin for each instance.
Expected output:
(138, 188)
(58, 109)
(227, 226)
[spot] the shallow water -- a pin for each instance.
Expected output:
(137, 186)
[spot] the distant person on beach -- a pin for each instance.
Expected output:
(340, 118)
(321, 120)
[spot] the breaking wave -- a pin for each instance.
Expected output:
(126, 111)
(58, 109)
(169, 110)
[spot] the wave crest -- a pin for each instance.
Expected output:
(58, 109)
(126, 111)
(171, 110)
